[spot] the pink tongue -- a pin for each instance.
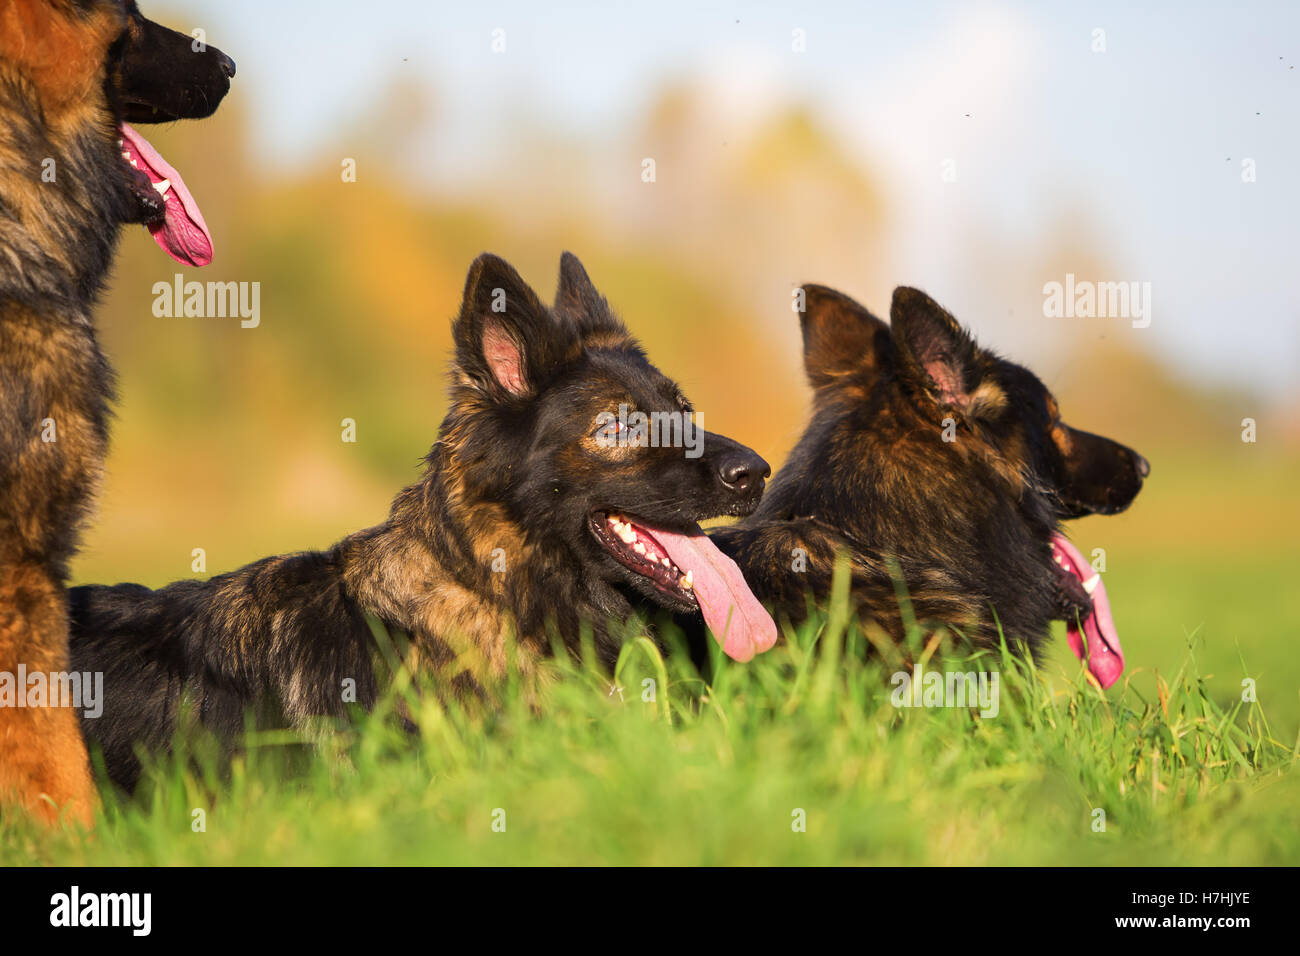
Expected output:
(1099, 641)
(730, 609)
(182, 233)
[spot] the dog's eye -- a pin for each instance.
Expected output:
(609, 429)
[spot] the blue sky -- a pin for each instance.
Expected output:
(1144, 141)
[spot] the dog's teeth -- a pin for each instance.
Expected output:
(686, 582)
(627, 534)
(162, 186)
(1090, 585)
(135, 164)
(690, 579)
(639, 548)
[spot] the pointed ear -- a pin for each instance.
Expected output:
(507, 342)
(839, 336)
(936, 355)
(578, 302)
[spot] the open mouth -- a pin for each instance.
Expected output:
(690, 571)
(634, 547)
(1089, 626)
(166, 207)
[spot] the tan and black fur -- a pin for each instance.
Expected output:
(930, 456)
(70, 72)
(497, 551)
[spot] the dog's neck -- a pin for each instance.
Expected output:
(62, 202)
(449, 561)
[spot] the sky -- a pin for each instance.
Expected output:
(1141, 144)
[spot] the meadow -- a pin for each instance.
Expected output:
(800, 757)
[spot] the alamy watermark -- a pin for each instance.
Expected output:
(634, 429)
(923, 688)
(80, 690)
(1084, 299)
(133, 911)
(209, 300)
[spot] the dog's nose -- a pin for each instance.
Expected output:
(1143, 466)
(227, 65)
(743, 471)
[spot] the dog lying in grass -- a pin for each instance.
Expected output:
(930, 458)
(538, 517)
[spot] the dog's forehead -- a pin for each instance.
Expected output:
(630, 374)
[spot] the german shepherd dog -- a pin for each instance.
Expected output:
(73, 74)
(537, 516)
(933, 455)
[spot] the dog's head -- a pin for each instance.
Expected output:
(158, 75)
(968, 446)
(594, 454)
(1012, 414)
(92, 67)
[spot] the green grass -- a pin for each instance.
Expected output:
(718, 774)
